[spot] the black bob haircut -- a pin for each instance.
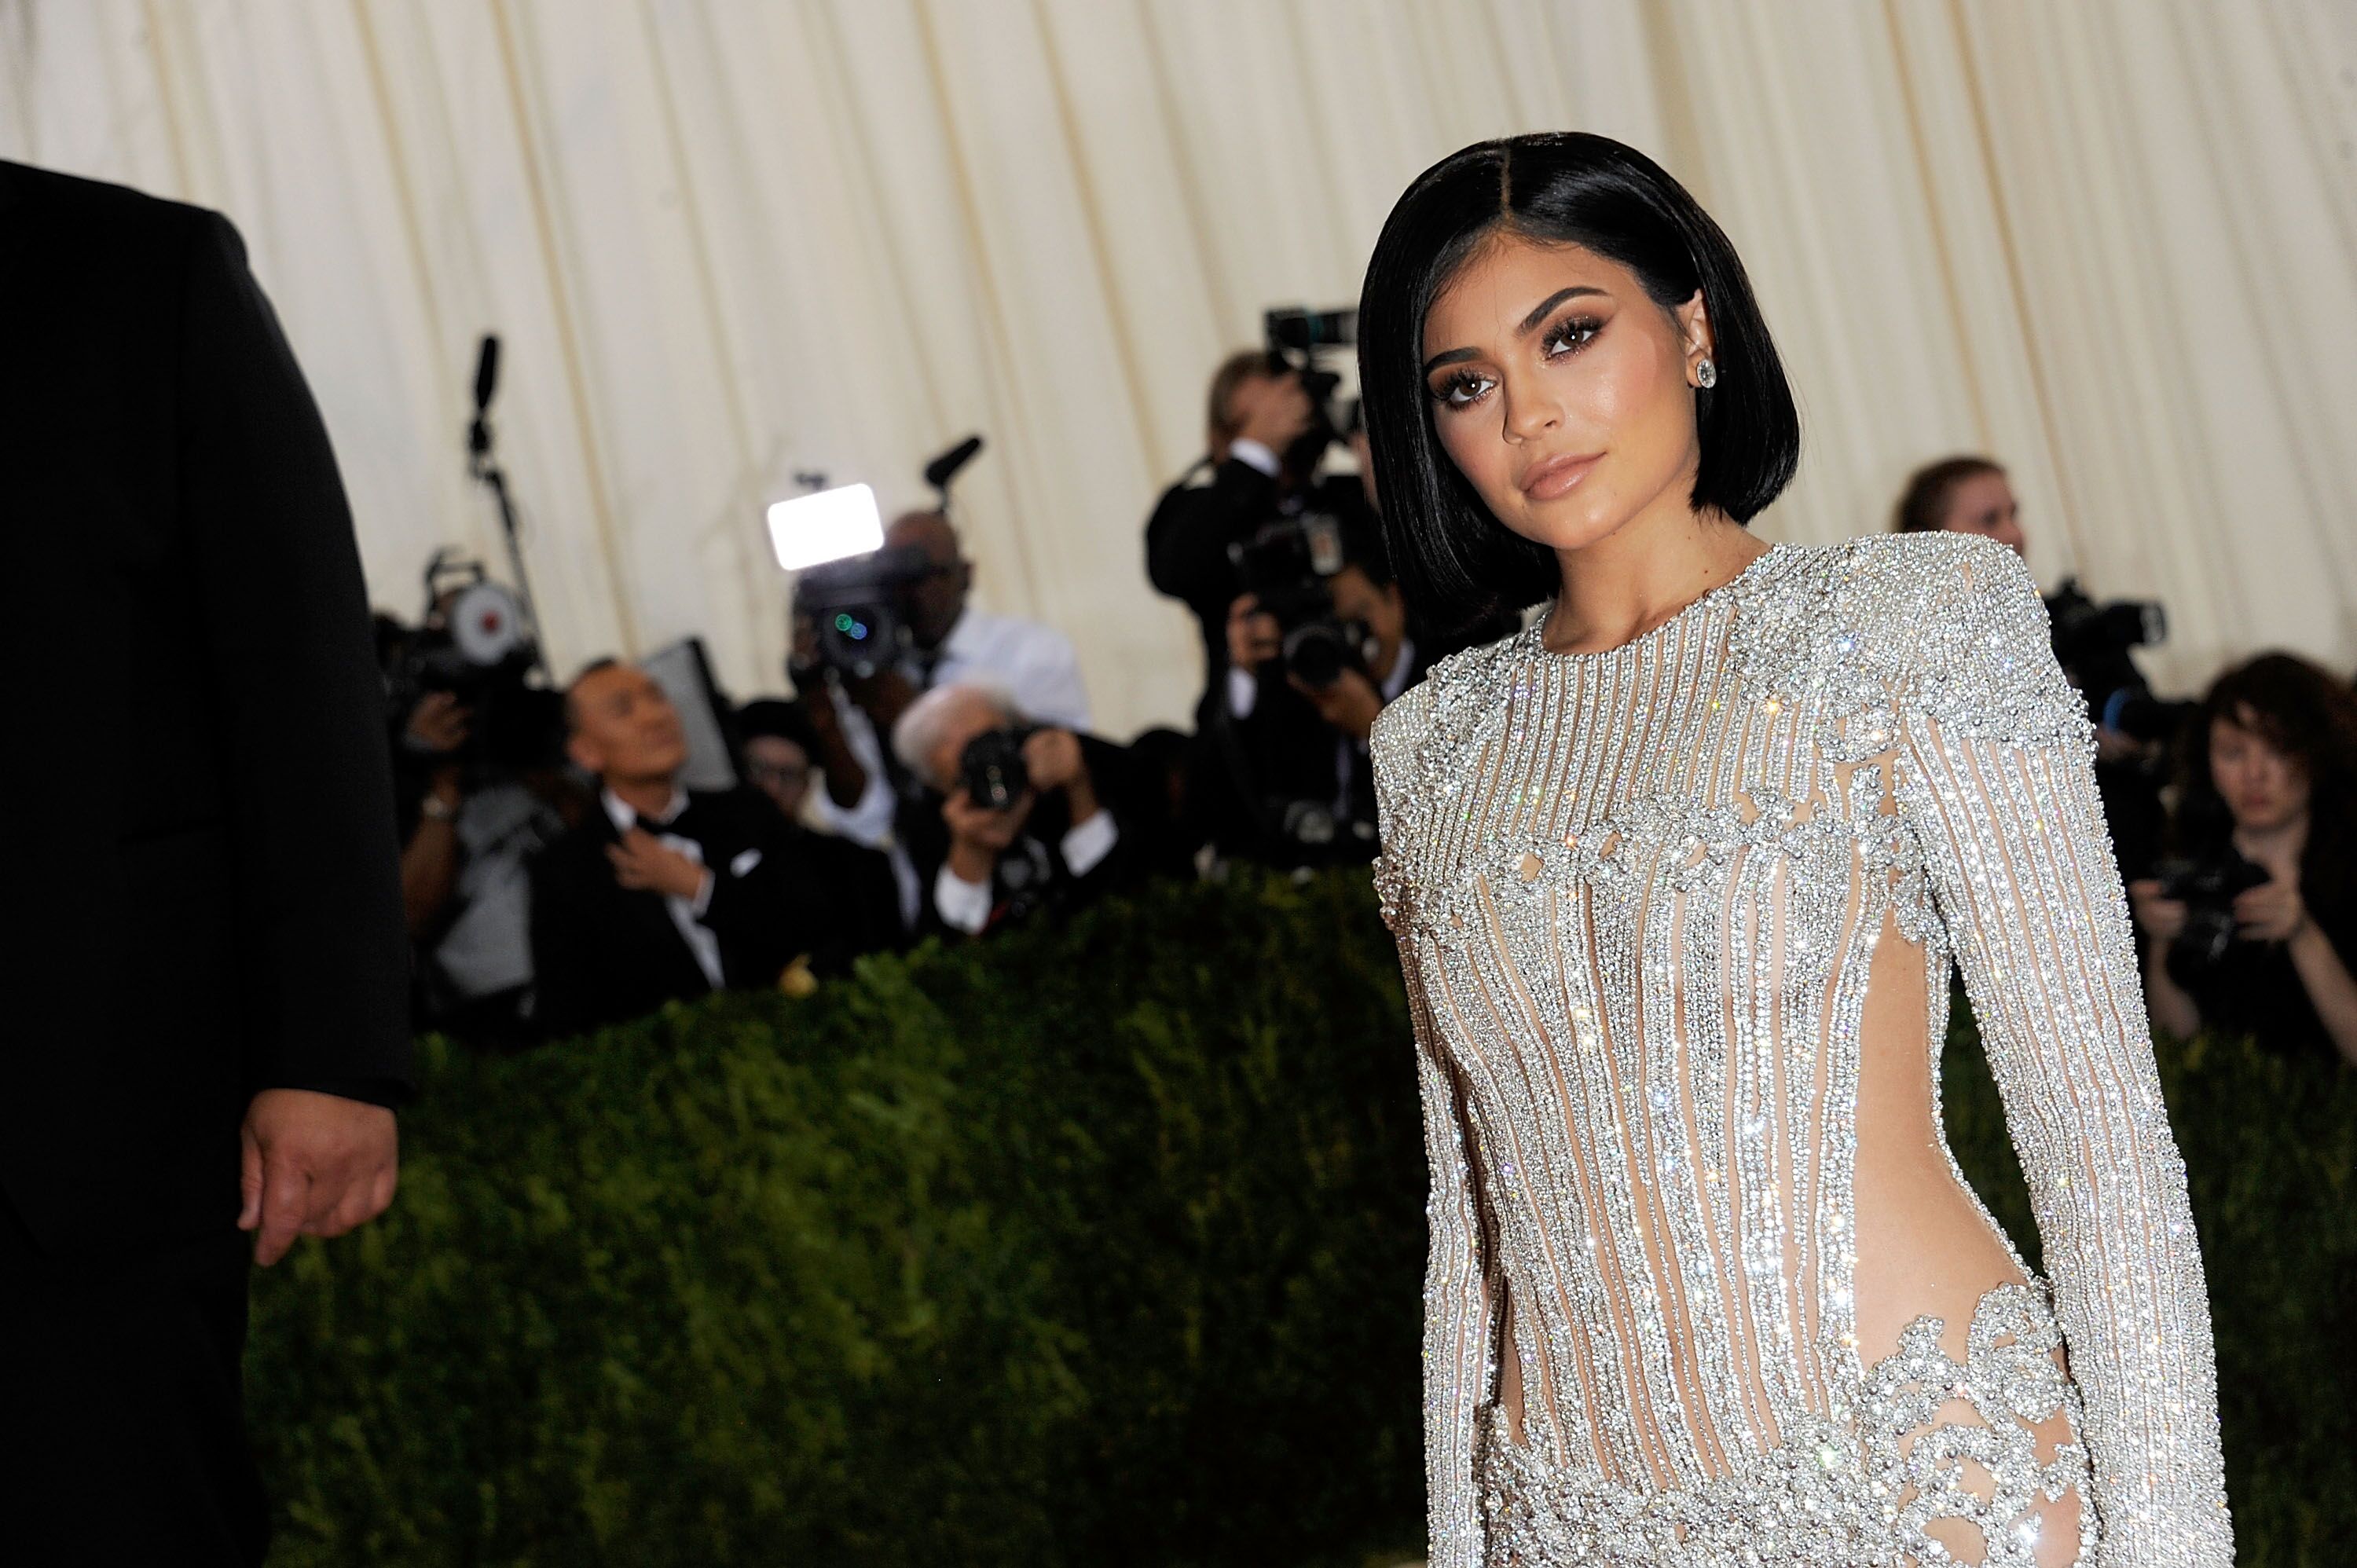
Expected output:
(1457, 562)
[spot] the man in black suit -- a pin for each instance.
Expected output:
(1289, 766)
(1263, 446)
(207, 981)
(1073, 823)
(667, 894)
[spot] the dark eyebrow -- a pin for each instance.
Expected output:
(1528, 325)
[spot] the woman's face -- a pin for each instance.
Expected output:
(1983, 504)
(2263, 787)
(1561, 390)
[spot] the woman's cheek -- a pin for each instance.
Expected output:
(1477, 456)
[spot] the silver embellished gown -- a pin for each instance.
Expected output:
(1636, 895)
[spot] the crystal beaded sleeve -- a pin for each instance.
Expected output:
(1995, 775)
(1457, 1295)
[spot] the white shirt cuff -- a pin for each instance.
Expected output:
(962, 905)
(1254, 455)
(1243, 690)
(1086, 843)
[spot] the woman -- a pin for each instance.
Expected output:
(2274, 785)
(1677, 874)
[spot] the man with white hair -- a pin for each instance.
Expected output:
(1028, 809)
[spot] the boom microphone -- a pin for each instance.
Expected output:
(943, 468)
(487, 370)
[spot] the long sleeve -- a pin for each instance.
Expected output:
(1995, 772)
(300, 700)
(1460, 1294)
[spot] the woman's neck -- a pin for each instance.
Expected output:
(1642, 573)
(2280, 844)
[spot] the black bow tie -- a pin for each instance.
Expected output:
(678, 827)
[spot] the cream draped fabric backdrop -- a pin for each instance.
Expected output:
(2113, 242)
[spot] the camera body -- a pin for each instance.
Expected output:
(859, 604)
(1286, 567)
(1309, 343)
(475, 644)
(992, 769)
(2095, 644)
(2207, 885)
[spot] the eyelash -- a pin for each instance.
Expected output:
(1588, 326)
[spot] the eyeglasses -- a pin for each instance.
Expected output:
(780, 772)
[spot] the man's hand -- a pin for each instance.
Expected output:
(978, 836)
(1349, 705)
(644, 864)
(1272, 410)
(1254, 636)
(1054, 760)
(439, 723)
(315, 1165)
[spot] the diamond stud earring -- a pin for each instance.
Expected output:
(1706, 373)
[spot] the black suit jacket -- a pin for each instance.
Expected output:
(1282, 752)
(1212, 506)
(204, 874)
(603, 952)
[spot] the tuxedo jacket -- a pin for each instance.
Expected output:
(603, 954)
(203, 876)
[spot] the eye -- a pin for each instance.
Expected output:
(1570, 334)
(1462, 390)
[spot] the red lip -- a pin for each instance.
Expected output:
(1557, 476)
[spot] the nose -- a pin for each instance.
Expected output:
(1529, 412)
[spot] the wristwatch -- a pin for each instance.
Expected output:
(438, 809)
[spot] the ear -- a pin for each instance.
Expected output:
(585, 753)
(1695, 335)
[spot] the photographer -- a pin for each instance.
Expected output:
(947, 640)
(1266, 435)
(1019, 817)
(2252, 928)
(2092, 642)
(1289, 732)
(480, 788)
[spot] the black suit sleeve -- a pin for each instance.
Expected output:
(566, 996)
(1186, 539)
(286, 634)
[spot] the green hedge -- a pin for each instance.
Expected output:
(1097, 1245)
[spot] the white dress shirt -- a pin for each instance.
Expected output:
(685, 913)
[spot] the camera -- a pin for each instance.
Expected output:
(857, 603)
(1305, 343)
(2208, 886)
(1285, 567)
(475, 643)
(856, 591)
(992, 769)
(2093, 643)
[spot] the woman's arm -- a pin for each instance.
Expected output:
(1996, 776)
(2331, 989)
(1460, 1300)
